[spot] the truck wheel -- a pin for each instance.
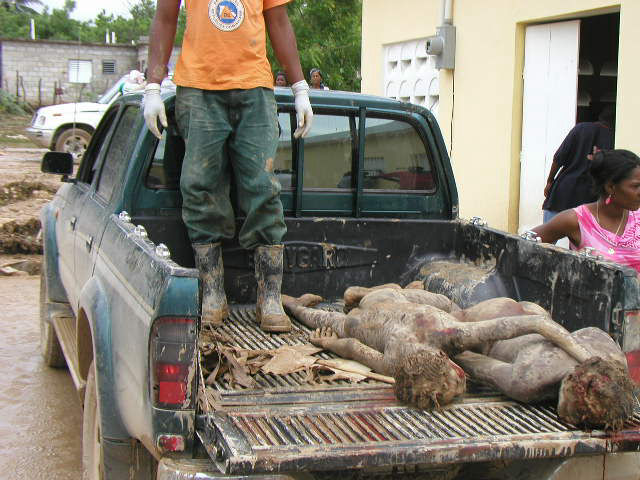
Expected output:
(92, 458)
(73, 141)
(132, 461)
(49, 344)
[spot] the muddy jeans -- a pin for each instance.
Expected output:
(237, 129)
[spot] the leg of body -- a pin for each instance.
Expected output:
(350, 348)
(514, 380)
(471, 336)
(313, 318)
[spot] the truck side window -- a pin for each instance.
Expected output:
(395, 157)
(116, 159)
(89, 164)
(164, 171)
(329, 151)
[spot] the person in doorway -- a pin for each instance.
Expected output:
(316, 79)
(569, 184)
(226, 112)
(611, 224)
(280, 80)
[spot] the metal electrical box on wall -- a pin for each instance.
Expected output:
(442, 46)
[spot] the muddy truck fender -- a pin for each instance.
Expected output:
(55, 289)
(95, 343)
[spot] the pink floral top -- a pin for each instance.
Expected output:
(623, 249)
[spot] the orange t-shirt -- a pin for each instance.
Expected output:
(224, 45)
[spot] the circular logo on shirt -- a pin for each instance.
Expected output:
(226, 15)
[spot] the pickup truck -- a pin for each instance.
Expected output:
(369, 198)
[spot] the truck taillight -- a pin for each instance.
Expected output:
(173, 366)
(631, 343)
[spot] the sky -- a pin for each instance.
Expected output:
(88, 9)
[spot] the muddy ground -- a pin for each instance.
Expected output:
(40, 414)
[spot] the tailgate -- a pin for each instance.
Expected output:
(290, 425)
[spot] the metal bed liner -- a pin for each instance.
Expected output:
(290, 425)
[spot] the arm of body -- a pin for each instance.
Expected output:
(565, 224)
(163, 33)
(285, 47)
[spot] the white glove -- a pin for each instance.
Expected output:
(154, 109)
(304, 113)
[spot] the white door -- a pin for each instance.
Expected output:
(549, 108)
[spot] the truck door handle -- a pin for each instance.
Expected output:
(72, 223)
(89, 243)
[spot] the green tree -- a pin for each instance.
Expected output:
(328, 32)
(329, 38)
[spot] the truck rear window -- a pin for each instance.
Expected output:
(395, 159)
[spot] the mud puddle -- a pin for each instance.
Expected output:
(40, 414)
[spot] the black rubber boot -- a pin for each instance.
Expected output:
(269, 311)
(214, 302)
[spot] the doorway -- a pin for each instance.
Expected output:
(570, 76)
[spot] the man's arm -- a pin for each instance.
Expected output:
(283, 40)
(163, 34)
(560, 157)
(285, 47)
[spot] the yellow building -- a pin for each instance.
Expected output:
(502, 122)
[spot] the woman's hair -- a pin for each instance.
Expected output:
(611, 166)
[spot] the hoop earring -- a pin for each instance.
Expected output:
(608, 200)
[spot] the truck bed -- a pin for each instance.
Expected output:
(290, 425)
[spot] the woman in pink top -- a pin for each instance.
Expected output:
(611, 224)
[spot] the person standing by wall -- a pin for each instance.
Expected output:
(225, 103)
(569, 183)
(316, 79)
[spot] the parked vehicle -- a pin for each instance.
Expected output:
(120, 307)
(68, 127)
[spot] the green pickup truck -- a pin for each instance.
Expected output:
(369, 198)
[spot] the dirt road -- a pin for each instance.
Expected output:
(40, 413)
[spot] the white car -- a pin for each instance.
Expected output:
(68, 127)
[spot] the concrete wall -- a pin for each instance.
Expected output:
(480, 109)
(40, 64)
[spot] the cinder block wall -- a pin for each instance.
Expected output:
(38, 65)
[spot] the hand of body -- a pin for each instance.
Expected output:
(154, 109)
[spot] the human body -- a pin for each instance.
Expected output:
(226, 112)
(611, 224)
(400, 333)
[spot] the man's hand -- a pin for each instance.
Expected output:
(154, 109)
(304, 113)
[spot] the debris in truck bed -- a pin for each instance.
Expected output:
(220, 359)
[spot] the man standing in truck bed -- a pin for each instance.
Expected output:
(226, 112)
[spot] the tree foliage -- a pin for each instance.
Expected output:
(328, 31)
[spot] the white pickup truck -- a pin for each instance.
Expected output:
(68, 127)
